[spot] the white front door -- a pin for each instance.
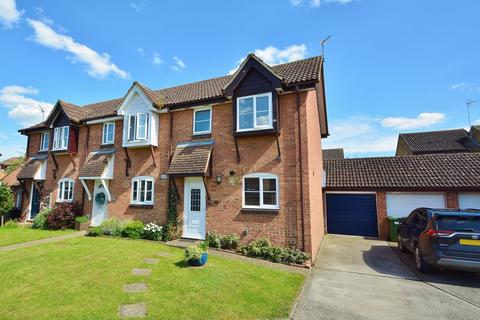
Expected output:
(100, 203)
(194, 210)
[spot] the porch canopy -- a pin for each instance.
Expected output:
(191, 159)
(98, 166)
(35, 168)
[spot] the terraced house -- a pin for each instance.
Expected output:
(242, 152)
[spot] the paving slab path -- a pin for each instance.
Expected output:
(141, 272)
(42, 241)
(135, 287)
(136, 310)
(150, 261)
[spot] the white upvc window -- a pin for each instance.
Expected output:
(138, 125)
(260, 191)
(108, 135)
(65, 190)
(202, 120)
(142, 190)
(60, 138)
(254, 112)
(18, 200)
(44, 141)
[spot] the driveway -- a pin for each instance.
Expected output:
(357, 278)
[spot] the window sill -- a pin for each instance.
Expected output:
(256, 132)
(143, 206)
(259, 211)
(107, 145)
(201, 135)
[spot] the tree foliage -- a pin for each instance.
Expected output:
(6, 199)
(20, 161)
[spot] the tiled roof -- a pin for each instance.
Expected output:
(332, 154)
(443, 141)
(455, 171)
(291, 73)
(191, 159)
(11, 178)
(30, 169)
(9, 161)
(95, 164)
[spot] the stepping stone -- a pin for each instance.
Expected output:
(150, 261)
(135, 287)
(137, 310)
(164, 254)
(141, 272)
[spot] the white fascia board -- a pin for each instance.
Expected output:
(104, 120)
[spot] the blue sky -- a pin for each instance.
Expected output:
(391, 66)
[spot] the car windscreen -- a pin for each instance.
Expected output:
(458, 223)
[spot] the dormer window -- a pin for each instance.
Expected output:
(44, 141)
(138, 126)
(254, 112)
(60, 138)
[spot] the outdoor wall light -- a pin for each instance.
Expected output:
(218, 178)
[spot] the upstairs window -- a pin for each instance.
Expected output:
(65, 190)
(254, 112)
(142, 190)
(108, 135)
(138, 125)
(260, 190)
(202, 121)
(44, 141)
(60, 138)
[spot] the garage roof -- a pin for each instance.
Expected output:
(438, 172)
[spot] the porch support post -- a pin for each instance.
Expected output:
(86, 189)
(206, 188)
(106, 189)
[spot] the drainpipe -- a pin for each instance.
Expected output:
(299, 122)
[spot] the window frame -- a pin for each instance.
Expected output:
(209, 108)
(61, 190)
(138, 181)
(45, 137)
(136, 127)
(255, 126)
(62, 134)
(261, 177)
(105, 136)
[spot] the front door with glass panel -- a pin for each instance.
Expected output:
(100, 203)
(194, 208)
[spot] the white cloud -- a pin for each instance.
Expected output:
(137, 6)
(98, 65)
(296, 2)
(179, 65)
(22, 108)
(272, 55)
(424, 119)
(141, 51)
(9, 15)
(460, 85)
(156, 60)
(318, 3)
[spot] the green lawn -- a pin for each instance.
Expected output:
(83, 278)
(10, 236)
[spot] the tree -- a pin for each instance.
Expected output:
(6, 201)
(20, 161)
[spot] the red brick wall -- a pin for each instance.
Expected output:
(452, 200)
(382, 215)
(34, 144)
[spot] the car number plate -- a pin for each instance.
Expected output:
(468, 242)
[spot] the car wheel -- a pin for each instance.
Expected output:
(400, 244)
(420, 264)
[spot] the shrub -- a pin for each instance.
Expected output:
(63, 216)
(152, 232)
(40, 220)
(6, 201)
(262, 248)
(12, 224)
(230, 242)
(195, 252)
(82, 219)
(112, 226)
(132, 229)
(213, 239)
(94, 232)
(169, 231)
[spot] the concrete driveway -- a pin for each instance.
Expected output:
(357, 278)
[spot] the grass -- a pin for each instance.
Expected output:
(83, 278)
(10, 236)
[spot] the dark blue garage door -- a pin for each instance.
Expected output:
(354, 214)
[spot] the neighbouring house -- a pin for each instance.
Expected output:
(443, 141)
(242, 153)
(7, 162)
(11, 181)
(360, 193)
(332, 154)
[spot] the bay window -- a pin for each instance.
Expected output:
(65, 190)
(142, 191)
(108, 135)
(254, 112)
(138, 125)
(60, 138)
(260, 190)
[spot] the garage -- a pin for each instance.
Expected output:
(352, 214)
(468, 200)
(400, 204)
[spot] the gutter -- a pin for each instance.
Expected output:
(302, 198)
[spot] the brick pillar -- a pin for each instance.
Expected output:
(382, 215)
(452, 200)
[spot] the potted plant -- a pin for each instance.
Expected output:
(82, 223)
(196, 255)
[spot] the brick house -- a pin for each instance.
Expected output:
(242, 152)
